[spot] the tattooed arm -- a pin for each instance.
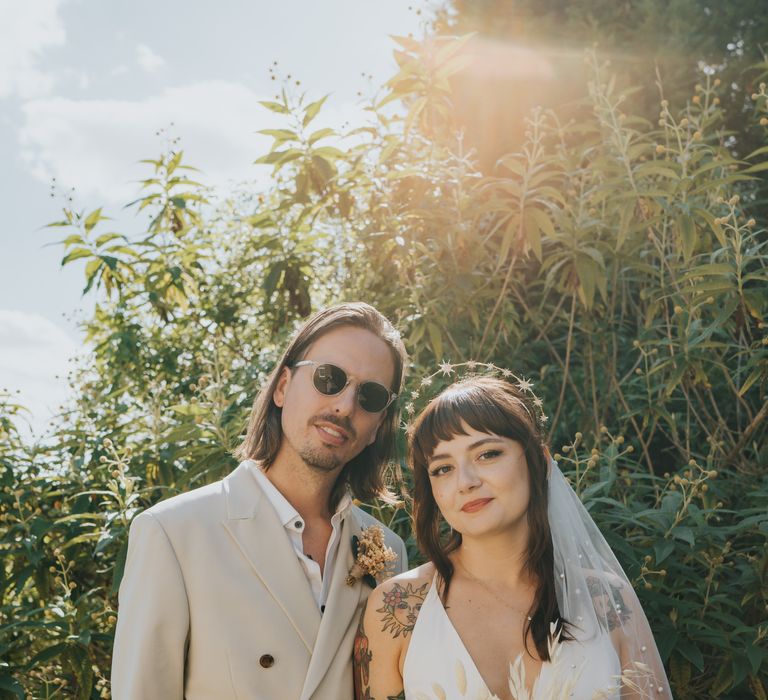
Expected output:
(620, 614)
(608, 598)
(384, 634)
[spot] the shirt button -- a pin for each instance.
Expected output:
(298, 524)
(267, 661)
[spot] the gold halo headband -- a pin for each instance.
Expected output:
(474, 368)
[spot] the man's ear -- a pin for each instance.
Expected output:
(278, 396)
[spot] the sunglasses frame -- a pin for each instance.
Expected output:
(391, 394)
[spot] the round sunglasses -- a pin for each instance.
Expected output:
(330, 380)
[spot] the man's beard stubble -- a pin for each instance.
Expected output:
(318, 461)
(325, 461)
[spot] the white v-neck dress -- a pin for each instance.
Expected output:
(436, 656)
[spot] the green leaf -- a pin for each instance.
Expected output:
(675, 378)
(435, 338)
(10, 684)
(272, 278)
(756, 654)
(662, 549)
(71, 240)
(627, 214)
(92, 219)
(723, 681)
(173, 163)
(709, 269)
(656, 169)
(532, 233)
(542, 221)
(685, 534)
(760, 151)
(76, 254)
(587, 272)
(691, 652)
(756, 374)
(279, 157)
(312, 109)
(510, 234)
(322, 172)
(47, 654)
(279, 135)
(408, 43)
(757, 168)
(320, 134)
(328, 152)
(106, 237)
(688, 239)
(275, 107)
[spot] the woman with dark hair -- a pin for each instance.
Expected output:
(521, 597)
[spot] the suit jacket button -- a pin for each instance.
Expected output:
(267, 661)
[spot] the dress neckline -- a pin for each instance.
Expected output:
(460, 641)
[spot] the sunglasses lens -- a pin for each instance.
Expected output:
(329, 379)
(373, 397)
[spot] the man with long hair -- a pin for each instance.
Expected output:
(250, 587)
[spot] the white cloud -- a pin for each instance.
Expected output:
(94, 145)
(33, 353)
(26, 29)
(147, 59)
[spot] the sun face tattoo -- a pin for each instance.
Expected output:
(401, 608)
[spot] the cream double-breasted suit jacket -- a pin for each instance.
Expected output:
(214, 604)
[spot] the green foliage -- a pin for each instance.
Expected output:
(614, 261)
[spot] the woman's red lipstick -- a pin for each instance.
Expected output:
(475, 505)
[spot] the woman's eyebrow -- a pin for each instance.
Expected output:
(473, 446)
(484, 441)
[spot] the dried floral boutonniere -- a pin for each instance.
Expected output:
(372, 556)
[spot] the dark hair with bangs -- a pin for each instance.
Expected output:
(488, 405)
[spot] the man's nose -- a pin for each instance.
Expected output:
(344, 403)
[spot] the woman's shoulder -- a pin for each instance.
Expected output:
(395, 604)
(414, 582)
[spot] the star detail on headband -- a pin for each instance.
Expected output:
(525, 385)
(453, 371)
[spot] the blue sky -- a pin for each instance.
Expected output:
(84, 87)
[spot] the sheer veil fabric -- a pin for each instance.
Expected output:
(595, 595)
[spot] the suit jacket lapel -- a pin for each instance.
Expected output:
(254, 525)
(343, 601)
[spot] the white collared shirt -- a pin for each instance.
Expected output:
(294, 526)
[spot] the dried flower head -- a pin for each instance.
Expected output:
(372, 555)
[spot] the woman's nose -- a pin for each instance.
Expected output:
(468, 477)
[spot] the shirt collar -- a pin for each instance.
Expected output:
(286, 513)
